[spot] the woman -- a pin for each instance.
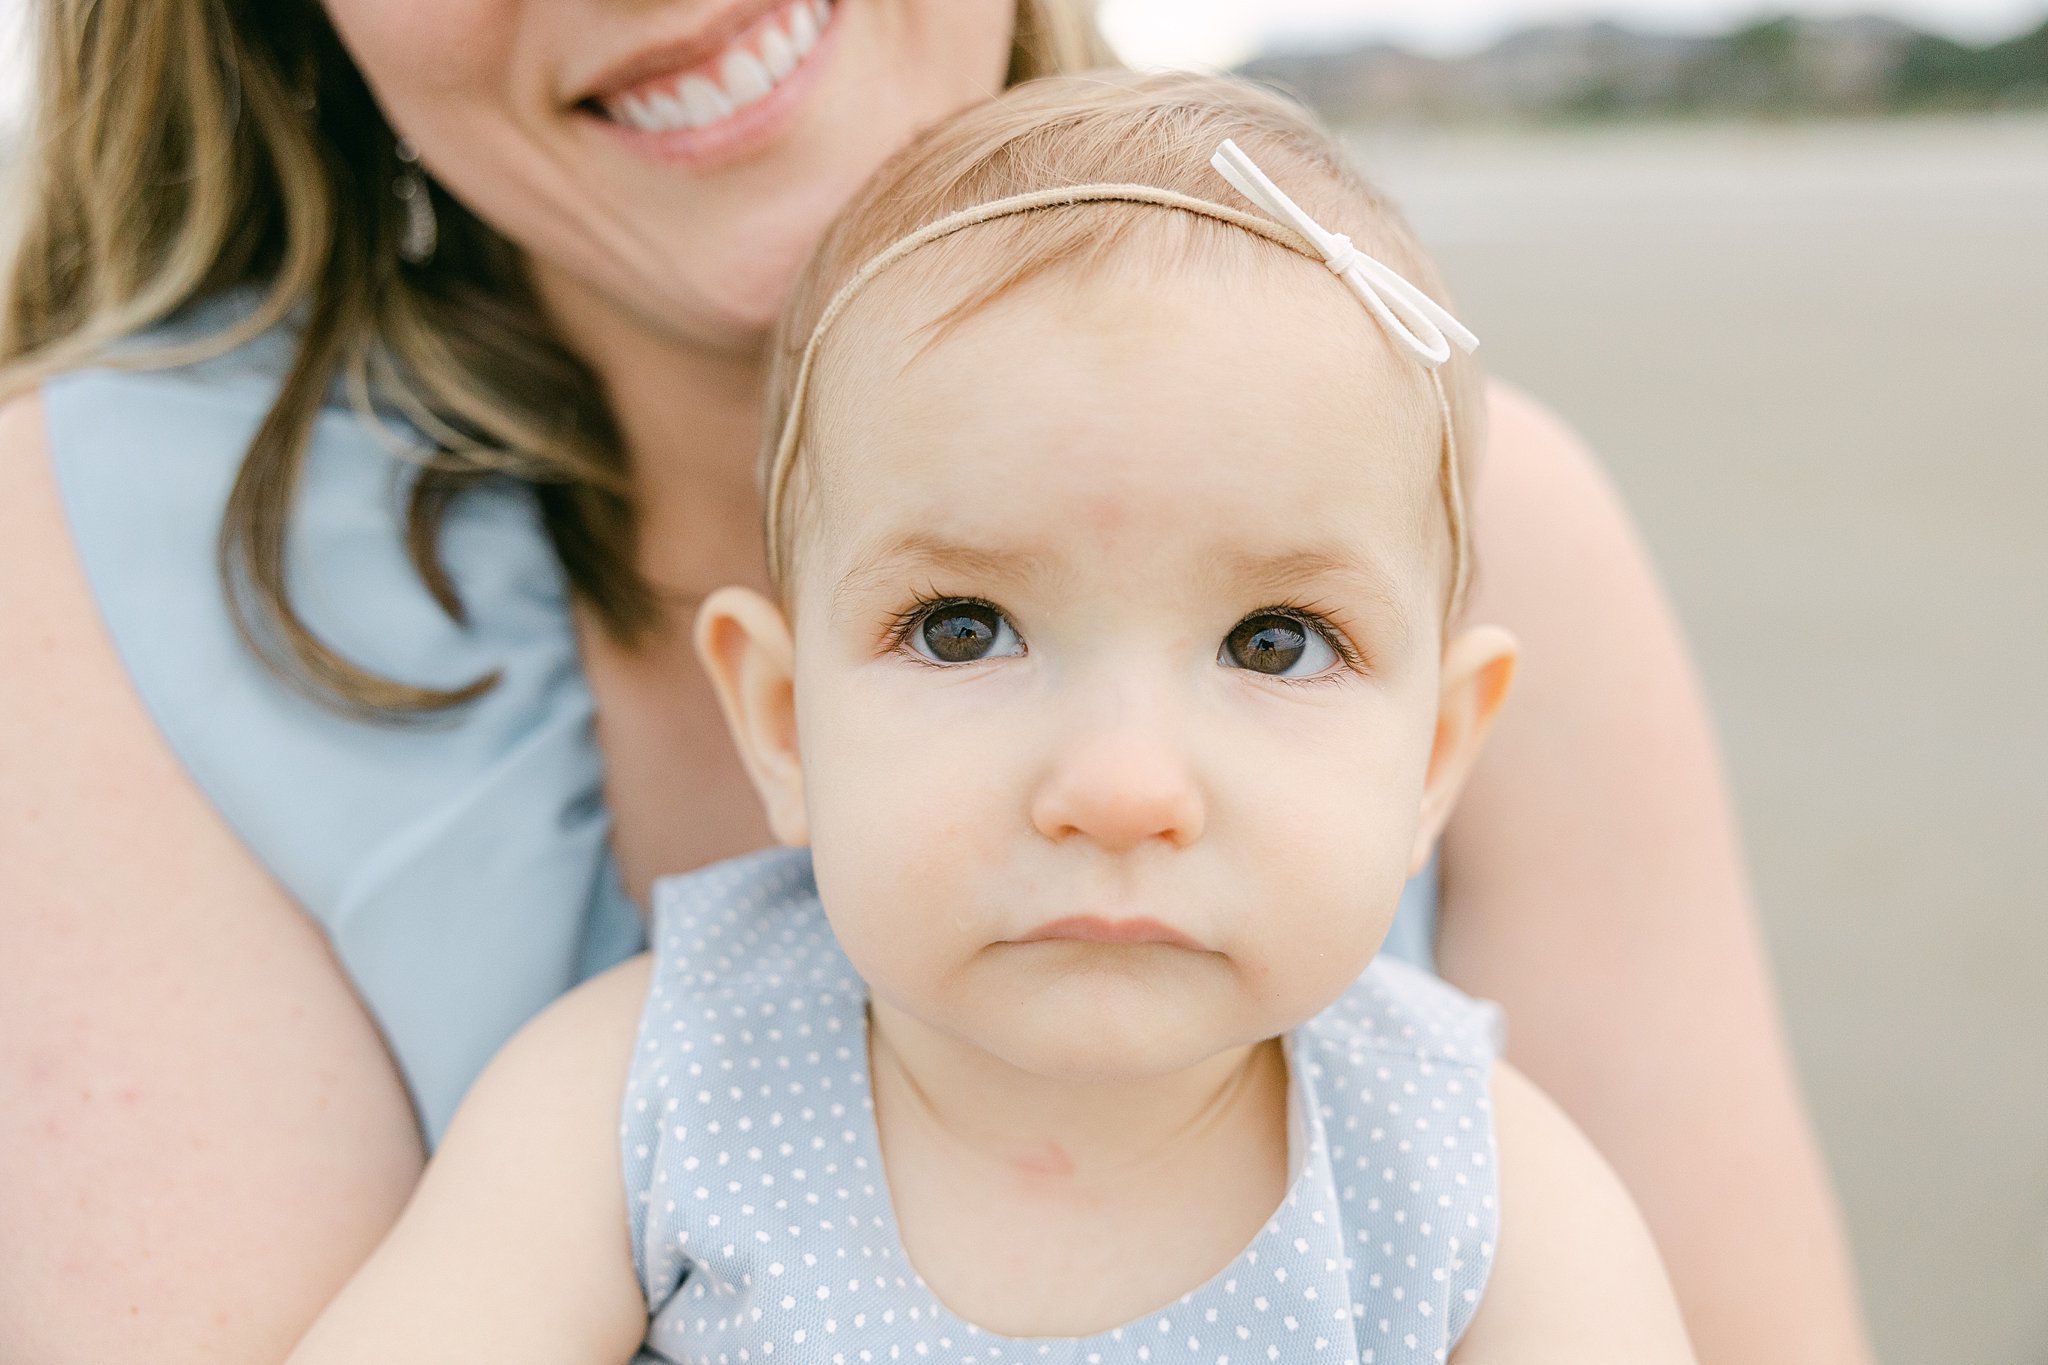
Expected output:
(247, 748)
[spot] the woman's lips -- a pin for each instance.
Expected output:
(690, 88)
(719, 107)
(1092, 929)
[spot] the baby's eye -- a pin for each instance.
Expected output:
(1276, 644)
(963, 632)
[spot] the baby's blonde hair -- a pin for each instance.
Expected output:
(1103, 128)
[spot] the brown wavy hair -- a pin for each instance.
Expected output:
(180, 148)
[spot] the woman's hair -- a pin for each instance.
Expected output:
(1098, 128)
(180, 148)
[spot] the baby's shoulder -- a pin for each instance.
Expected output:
(562, 1066)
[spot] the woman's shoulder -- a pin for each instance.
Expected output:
(466, 848)
(1528, 433)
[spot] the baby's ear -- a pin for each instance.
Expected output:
(745, 643)
(1478, 667)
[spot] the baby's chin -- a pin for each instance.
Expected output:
(1102, 1032)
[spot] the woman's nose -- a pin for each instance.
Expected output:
(1121, 783)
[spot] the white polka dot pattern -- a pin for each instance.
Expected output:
(762, 1227)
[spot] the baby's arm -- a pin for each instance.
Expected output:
(1575, 1279)
(515, 1246)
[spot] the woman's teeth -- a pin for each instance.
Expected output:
(755, 64)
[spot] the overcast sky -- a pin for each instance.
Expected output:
(1220, 32)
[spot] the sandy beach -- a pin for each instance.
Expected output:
(1816, 361)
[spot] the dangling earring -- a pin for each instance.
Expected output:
(422, 234)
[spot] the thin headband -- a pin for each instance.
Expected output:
(1412, 320)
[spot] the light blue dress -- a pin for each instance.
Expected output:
(760, 1216)
(460, 866)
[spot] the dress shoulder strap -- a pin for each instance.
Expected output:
(1401, 1069)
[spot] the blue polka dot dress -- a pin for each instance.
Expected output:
(762, 1227)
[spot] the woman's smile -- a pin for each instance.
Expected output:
(720, 93)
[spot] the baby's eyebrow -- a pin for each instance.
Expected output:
(921, 552)
(1351, 574)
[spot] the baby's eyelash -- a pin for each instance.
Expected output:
(896, 631)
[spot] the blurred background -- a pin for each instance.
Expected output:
(1788, 271)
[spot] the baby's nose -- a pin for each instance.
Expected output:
(1121, 782)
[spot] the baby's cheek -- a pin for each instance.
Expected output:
(900, 835)
(1319, 964)
(1329, 898)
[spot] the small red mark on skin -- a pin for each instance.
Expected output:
(1108, 515)
(1051, 1160)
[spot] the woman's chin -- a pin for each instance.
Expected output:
(730, 300)
(685, 312)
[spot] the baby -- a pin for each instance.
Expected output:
(1112, 685)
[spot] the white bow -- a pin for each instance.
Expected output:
(1411, 317)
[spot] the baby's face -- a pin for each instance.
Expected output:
(1117, 629)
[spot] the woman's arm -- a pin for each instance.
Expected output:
(515, 1250)
(1575, 1279)
(1593, 884)
(201, 1134)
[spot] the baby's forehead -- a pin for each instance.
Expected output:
(1237, 391)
